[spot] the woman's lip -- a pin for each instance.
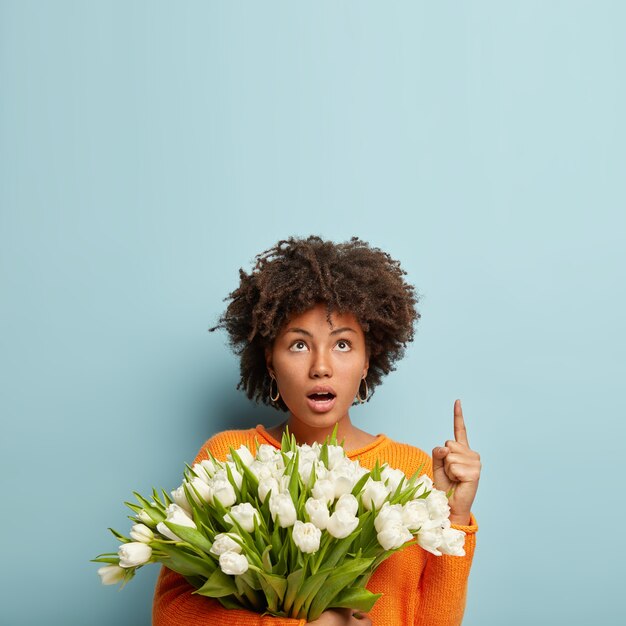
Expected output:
(321, 406)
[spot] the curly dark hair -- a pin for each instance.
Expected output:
(294, 276)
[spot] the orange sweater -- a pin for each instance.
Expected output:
(418, 588)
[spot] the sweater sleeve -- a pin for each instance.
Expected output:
(175, 604)
(443, 584)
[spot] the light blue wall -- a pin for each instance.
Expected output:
(150, 149)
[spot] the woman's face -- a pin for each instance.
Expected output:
(319, 365)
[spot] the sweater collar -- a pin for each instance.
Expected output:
(378, 442)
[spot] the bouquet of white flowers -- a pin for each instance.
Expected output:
(289, 532)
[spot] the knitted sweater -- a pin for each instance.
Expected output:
(418, 588)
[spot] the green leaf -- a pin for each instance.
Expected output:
(246, 590)
(166, 498)
(229, 474)
(360, 484)
(294, 580)
(119, 536)
(177, 559)
(218, 585)
(114, 560)
(277, 583)
(190, 535)
(339, 550)
(341, 577)
(294, 479)
(355, 598)
(324, 455)
(267, 560)
(231, 602)
(416, 474)
(251, 480)
(308, 590)
(376, 471)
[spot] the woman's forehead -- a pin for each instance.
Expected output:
(320, 318)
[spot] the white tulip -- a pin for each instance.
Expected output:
(236, 474)
(262, 470)
(200, 490)
(415, 515)
(388, 514)
(341, 524)
(224, 542)
(392, 478)
(176, 515)
(344, 478)
(233, 563)
(202, 472)
(210, 467)
(244, 454)
(306, 536)
(145, 518)
(431, 539)
(438, 506)
(267, 453)
(305, 470)
(453, 542)
(424, 484)
(336, 455)
(307, 454)
(348, 503)
(140, 532)
(324, 489)
(374, 494)
(393, 535)
(321, 471)
(244, 514)
(134, 554)
(265, 486)
(179, 497)
(111, 574)
(283, 510)
(318, 513)
(223, 491)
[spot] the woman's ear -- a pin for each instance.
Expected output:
(268, 361)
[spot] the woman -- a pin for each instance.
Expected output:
(316, 326)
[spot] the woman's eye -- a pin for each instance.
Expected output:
(298, 346)
(343, 346)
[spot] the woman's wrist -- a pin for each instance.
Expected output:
(460, 519)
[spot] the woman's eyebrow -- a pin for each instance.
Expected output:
(299, 330)
(343, 329)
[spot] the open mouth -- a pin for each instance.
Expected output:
(321, 400)
(321, 397)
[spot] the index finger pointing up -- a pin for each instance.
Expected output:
(460, 433)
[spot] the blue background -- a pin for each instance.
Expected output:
(150, 149)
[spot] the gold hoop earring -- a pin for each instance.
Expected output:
(367, 392)
(272, 397)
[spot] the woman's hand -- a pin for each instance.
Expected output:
(342, 617)
(456, 466)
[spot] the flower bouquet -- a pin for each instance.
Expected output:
(289, 532)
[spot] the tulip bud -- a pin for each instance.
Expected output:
(140, 532)
(134, 554)
(111, 574)
(306, 536)
(233, 563)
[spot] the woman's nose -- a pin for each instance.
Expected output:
(320, 367)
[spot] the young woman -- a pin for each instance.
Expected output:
(317, 325)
